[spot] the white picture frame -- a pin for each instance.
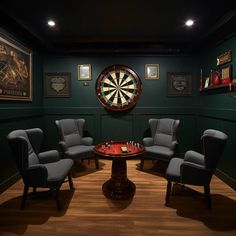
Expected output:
(152, 71)
(84, 72)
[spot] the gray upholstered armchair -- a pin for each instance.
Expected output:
(163, 143)
(196, 168)
(45, 169)
(72, 143)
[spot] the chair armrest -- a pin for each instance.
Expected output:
(147, 141)
(173, 145)
(48, 156)
(192, 173)
(194, 157)
(35, 176)
(87, 141)
(63, 146)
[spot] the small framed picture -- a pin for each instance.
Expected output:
(225, 72)
(152, 71)
(226, 75)
(57, 84)
(84, 72)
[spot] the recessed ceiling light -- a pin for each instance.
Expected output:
(189, 23)
(51, 23)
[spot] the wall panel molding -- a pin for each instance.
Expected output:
(222, 114)
(8, 182)
(226, 178)
(19, 112)
(138, 110)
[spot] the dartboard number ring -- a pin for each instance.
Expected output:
(118, 87)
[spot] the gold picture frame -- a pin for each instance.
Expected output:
(152, 71)
(225, 73)
(84, 72)
(224, 58)
(15, 70)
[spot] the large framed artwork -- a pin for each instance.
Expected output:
(57, 84)
(179, 84)
(15, 70)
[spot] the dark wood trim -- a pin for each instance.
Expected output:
(9, 182)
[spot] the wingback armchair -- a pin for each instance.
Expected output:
(72, 142)
(197, 168)
(38, 169)
(162, 144)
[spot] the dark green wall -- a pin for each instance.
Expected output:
(217, 109)
(130, 125)
(196, 113)
(19, 115)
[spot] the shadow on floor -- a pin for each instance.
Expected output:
(191, 204)
(39, 208)
(118, 205)
(85, 167)
(157, 168)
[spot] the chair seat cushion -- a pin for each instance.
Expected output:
(57, 171)
(173, 169)
(79, 152)
(159, 152)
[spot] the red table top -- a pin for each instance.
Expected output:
(113, 149)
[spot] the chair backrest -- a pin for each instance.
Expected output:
(213, 143)
(25, 145)
(70, 131)
(163, 131)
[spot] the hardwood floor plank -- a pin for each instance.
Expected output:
(86, 211)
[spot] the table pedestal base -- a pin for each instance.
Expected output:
(119, 186)
(124, 190)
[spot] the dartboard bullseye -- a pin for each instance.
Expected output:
(118, 87)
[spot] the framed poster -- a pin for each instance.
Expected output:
(152, 71)
(179, 84)
(84, 72)
(15, 70)
(57, 84)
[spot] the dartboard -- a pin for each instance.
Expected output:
(118, 87)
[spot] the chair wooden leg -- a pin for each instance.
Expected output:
(34, 190)
(96, 162)
(70, 181)
(168, 191)
(57, 200)
(24, 197)
(207, 195)
(141, 164)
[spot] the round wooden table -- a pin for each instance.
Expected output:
(119, 186)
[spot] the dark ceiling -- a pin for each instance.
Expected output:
(122, 26)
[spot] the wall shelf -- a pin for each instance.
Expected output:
(230, 87)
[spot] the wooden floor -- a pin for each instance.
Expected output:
(87, 212)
